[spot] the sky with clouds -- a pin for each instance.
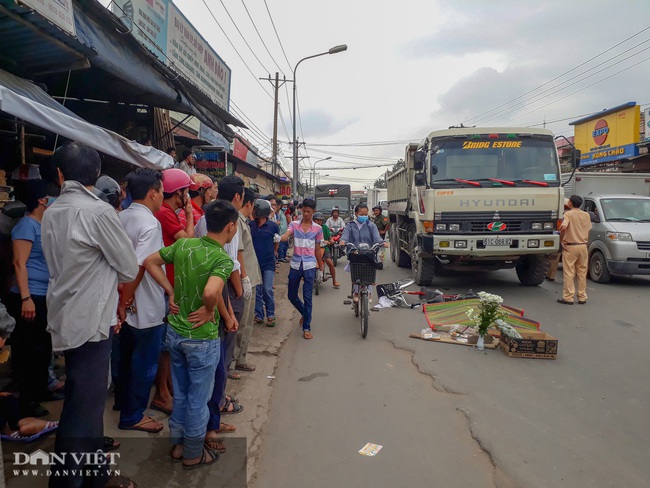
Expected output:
(415, 66)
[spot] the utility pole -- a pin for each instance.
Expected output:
(276, 104)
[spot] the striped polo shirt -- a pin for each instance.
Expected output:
(304, 245)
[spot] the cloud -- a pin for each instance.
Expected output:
(320, 123)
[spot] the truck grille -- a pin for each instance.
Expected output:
(511, 226)
(643, 245)
(503, 216)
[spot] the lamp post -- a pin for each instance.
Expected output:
(313, 167)
(333, 50)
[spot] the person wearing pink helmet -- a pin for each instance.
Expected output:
(200, 194)
(176, 184)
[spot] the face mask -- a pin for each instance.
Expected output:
(50, 201)
(362, 218)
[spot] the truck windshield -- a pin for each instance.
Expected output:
(519, 160)
(326, 204)
(626, 209)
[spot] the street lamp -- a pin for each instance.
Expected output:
(333, 50)
(313, 167)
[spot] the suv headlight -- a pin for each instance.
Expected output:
(441, 226)
(536, 226)
(619, 236)
(549, 225)
(454, 226)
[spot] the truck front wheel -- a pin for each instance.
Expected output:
(598, 271)
(422, 269)
(531, 270)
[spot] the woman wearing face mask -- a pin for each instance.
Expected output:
(360, 231)
(31, 342)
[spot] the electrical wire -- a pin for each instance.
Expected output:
(277, 35)
(558, 77)
(553, 88)
(579, 90)
(260, 36)
(242, 36)
(236, 51)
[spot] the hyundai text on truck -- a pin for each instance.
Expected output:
(477, 199)
(619, 239)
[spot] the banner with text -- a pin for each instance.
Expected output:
(194, 59)
(58, 12)
(147, 21)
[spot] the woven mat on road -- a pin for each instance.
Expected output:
(447, 313)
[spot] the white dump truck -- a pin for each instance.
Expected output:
(477, 199)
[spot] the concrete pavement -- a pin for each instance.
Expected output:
(455, 417)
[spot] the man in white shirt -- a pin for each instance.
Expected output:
(143, 301)
(187, 164)
(335, 222)
(88, 253)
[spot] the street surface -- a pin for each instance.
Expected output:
(451, 416)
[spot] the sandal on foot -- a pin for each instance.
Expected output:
(245, 367)
(160, 408)
(213, 458)
(18, 437)
(258, 321)
(147, 424)
(307, 334)
(215, 444)
(337, 285)
(225, 428)
(110, 444)
(234, 376)
(236, 408)
(231, 398)
(270, 322)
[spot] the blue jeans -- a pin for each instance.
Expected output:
(218, 397)
(295, 276)
(282, 250)
(139, 352)
(264, 296)
(193, 364)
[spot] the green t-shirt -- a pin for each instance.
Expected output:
(327, 235)
(195, 261)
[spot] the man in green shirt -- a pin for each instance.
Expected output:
(201, 269)
(327, 250)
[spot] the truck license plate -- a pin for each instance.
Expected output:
(497, 241)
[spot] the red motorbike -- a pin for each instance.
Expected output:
(337, 251)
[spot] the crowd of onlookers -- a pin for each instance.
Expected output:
(156, 282)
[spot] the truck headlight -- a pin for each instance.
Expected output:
(441, 226)
(619, 236)
(537, 226)
(460, 244)
(454, 226)
(533, 242)
(549, 225)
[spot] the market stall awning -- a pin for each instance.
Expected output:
(25, 100)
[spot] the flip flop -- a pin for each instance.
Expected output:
(214, 457)
(225, 428)
(307, 334)
(236, 408)
(160, 408)
(234, 376)
(140, 426)
(244, 367)
(110, 444)
(18, 437)
(215, 444)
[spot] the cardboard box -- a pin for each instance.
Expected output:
(533, 344)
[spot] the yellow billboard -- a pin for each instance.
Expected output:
(609, 135)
